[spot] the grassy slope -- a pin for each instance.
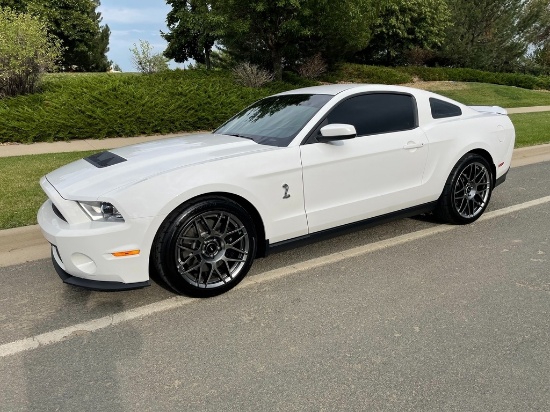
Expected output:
(494, 95)
(99, 105)
(78, 106)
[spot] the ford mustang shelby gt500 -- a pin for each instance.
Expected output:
(198, 209)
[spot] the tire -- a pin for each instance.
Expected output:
(467, 191)
(205, 248)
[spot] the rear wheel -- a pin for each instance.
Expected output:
(467, 191)
(206, 248)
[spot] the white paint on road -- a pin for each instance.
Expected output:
(59, 335)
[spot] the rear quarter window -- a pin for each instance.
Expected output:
(442, 109)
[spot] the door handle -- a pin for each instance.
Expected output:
(413, 145)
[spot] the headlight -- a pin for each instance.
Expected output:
(101, 211)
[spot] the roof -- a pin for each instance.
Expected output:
(334, 89)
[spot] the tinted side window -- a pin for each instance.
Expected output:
(441, 109)
(376, 113)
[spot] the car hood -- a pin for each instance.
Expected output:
(85, 180)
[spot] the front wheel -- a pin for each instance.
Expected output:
(467, 191)
(206, 248)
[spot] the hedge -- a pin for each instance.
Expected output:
(100, 105)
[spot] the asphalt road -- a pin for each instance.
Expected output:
(457, 320)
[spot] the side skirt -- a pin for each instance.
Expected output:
(348, 228)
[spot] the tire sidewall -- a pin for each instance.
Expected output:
(464, 162)
(168, 243)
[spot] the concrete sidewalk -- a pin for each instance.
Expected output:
(530, 109)
(18, 149)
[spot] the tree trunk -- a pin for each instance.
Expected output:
(277, 64)
(207, 59)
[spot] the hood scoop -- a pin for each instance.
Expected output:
(104, 159)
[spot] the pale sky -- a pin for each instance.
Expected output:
(130, 21)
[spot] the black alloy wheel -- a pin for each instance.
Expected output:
(205, 248)
(467, 191)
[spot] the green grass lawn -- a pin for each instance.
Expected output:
(21, 195)
(20, 192)
(494, 95)
(531, 128)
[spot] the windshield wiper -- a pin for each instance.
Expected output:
(241, 135)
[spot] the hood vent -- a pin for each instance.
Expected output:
(104, 159)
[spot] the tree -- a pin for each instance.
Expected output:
(26, 51)
(278, 33)
(493, 34)
(16, 5)
(77, 24)
(539, 60)
(403, 25)
(145, 61)
(193, 30)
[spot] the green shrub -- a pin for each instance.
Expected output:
(145, 61)
(524, 81)
(26, 51)
(251, 75)
(296, 80)
(99, 105)
(358, 73)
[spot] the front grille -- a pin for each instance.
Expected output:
(58, 213)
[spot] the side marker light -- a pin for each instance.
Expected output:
(126, 253)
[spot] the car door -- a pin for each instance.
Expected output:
(372, 174)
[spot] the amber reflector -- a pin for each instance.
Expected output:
(126, 253)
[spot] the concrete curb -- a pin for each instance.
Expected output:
(532, 154)
(22, 244)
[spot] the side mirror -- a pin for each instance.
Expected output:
(336, 131)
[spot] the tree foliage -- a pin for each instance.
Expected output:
(265, 32)
(272, 34)
(193, 28)
(494, 34)
(26, 51)
(279, 33)
(403, 25)
(78, 25)
(145, 60)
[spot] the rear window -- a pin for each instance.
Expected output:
(442, 109)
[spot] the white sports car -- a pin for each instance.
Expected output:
(291, 167)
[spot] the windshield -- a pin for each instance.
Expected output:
(275, 120)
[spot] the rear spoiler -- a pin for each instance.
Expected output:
(489, 109)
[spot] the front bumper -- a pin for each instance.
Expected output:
(104, 286)
(82, 250)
